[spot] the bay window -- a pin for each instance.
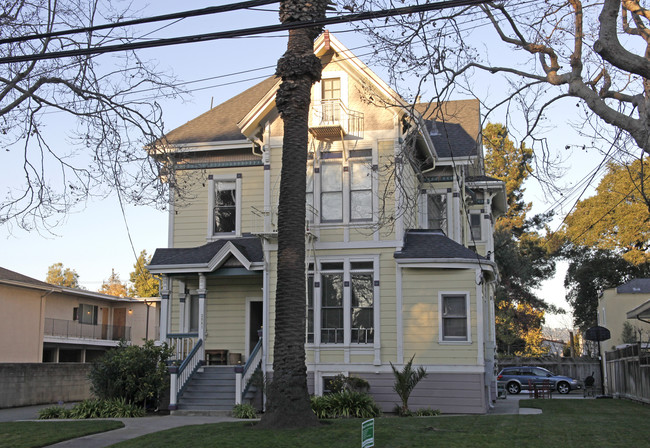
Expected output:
(437, 212)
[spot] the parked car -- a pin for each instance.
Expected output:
(517, 378)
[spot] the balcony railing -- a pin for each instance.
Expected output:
(331, 119)
(74, 329)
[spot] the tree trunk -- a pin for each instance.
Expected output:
(288, 402)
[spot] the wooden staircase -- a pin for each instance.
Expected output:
(210, 391)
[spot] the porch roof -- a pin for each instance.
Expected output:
(435, 245)
(209, 257)
(641, 312)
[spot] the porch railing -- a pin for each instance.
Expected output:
(180, 375)
(243, 375)
(183, 344)
(73, 329)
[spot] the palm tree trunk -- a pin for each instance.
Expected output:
(288, 402)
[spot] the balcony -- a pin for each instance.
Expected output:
(331, 120)
(72, 329)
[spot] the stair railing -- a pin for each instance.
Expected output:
(243, 375)
(180, 375)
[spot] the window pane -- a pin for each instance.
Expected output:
(332, 290)
(310, 308)
(362, 290)
(437, 211)
(365, 265)
(194, 314)
(331, 88)
(332, 206)
(310, 178)
(225, 206)
(360, 205)
(331, 266)
(475, 226)
(360, 176)
(331, 177)
(454, 306)
(455, 328)
(362, 318)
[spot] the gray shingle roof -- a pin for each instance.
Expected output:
(220, 122)
(454, 126)
(11, 276)
(249, 246)
(435, 245)
(636, 286)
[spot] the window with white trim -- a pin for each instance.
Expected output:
(225, 205)
(331, 181)
(360, 190)
(475, 226)
(454, 317)
(344, 294)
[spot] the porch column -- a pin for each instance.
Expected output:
(202, 293)
(164, 306)
(181, 311)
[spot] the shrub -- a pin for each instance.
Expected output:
(345, 404)
(138, 374)
(244, 410)
(115, 408)
(53, 412)
(341, 382)
(427, 412)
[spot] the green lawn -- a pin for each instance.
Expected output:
(563, 423)
(34, 434)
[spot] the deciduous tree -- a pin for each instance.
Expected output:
(97, 98)
(57, 275)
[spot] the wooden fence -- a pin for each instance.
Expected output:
(628, 373)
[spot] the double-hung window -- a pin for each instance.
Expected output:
(332, 330)
(331, 176)
(454, 312)
(341, 303)
(360, 190)
(362, 302)
(224, 203)
(437, 211)
(475, 226)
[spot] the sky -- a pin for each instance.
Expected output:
(97, 238)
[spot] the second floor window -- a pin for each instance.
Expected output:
(225, 207)
(331, 175)
(360, 191)
(437, 212)
(475, 226)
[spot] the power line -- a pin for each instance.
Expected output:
(369, 15)
(161, 18)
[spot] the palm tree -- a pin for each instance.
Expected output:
(288, 403)
(405, 382)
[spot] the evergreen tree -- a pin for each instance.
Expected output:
(143, 284)
(113, 286)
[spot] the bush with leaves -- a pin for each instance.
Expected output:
(114, 408)
(137, 374)
(345, 404)
(244, 410)
(341, 382)
(405, 382)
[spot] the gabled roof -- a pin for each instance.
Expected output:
(435, 245)
(454, 126)
(219, 124)
(209, 257)
(636, 286)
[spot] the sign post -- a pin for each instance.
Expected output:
(368, 433)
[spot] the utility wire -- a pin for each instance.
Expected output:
(369, 15)
(172, 16)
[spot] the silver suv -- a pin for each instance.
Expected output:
(517, 378)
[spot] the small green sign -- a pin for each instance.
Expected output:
(368, 433)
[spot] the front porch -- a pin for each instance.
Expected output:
(211, 310)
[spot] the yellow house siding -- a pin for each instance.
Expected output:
(421, 320)
(225, 310)
(192, 217)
